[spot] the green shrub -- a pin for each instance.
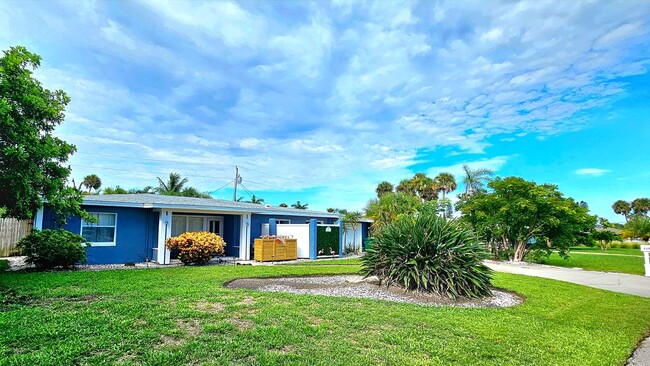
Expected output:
(428, 253)
(537, 255)
(47, 249)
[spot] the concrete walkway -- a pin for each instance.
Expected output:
(617, 282)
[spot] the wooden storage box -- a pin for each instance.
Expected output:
(275, 250)
(264, 249)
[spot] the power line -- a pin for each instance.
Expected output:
(222, 187)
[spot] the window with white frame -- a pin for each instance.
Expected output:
(101, 233)
(319, 222)
(282, 221)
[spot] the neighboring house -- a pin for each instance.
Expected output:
(134, 227)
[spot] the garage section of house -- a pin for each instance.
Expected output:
(134, 227)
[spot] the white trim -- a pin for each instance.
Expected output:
(38, 220)
(244, 236)
(163, 254)
(101, 244)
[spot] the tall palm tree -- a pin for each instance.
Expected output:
(256, 200)
(384, 188)
(173, 186)
(91, 182)
(641, 206)
(446, 183)
(621, 207)
(406, 186)
(300, 206)
(475, 179)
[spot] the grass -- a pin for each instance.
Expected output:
(634, 252)
(594, 262)
(4, 264)
(185, 316)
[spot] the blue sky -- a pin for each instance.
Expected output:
(320, 101)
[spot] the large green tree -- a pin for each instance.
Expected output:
(515, 213)
(419, 185)
(638, 227)
(389, 207)
(32, 161)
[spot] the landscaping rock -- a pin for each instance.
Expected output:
(357, 287)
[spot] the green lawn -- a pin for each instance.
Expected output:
(595, 262)
(635, 252)
(185, 316)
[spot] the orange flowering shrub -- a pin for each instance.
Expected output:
(197, 247)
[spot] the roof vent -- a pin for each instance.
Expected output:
(267, 205)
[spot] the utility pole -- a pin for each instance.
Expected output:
(237, 181)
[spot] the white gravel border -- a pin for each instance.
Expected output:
(354, 286)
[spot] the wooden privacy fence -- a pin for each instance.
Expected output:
(11, 231)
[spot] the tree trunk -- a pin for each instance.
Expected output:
(520, 251)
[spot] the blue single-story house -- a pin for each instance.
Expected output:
(134, 227)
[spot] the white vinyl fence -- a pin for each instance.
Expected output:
(11, 231)
(299, 232)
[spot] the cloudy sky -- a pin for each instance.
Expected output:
(319, 101)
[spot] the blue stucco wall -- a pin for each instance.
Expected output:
(136, 233)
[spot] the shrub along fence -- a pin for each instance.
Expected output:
(11, 231)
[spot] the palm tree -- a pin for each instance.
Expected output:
(283, 205)
(475, 179)
(173, 186)
(406, 186)
(300, 206)
(91, 182)
(384, 188)
(621, 207)
(256, 200)
(641, 206)
(446, 183)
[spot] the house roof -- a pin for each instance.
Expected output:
(146, 200)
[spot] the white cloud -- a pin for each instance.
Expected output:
(356, 89)
(595, 172)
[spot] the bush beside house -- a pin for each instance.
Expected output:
(47, 249)
(197, 247)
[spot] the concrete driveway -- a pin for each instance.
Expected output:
(617, 282)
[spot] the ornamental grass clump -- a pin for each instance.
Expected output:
(197, 247)
(424, 252)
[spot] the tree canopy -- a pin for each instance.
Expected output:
(516, 213)
(32, 161)
(300, 206)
